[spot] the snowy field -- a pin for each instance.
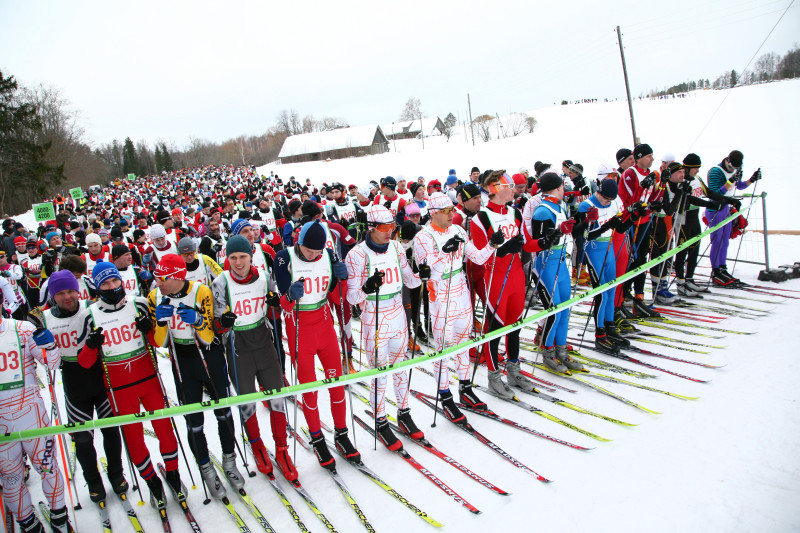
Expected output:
(727, 461)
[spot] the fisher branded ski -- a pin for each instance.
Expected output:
(298, 487)
(424, 471)
(181, 499)
(426, 444)
(361, 467)
(126, 504)
(653, 354)
(674, 322)
(650, 324)
(251, 506)
(486, 442)
(544, 414)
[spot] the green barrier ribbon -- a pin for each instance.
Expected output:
(372, 373)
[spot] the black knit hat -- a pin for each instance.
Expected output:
(641, 150)
(294, 205)
(311, 209)
(550, 181)
(118, 250)
(736, 158)
(623, 154)
(475, 169)
(470, 190)
(692, 161)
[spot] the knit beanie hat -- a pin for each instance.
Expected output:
(171, 266)
(623, 154)
(438, 201)
(312, 236)
(186, 245)
(609, 188)
(157, 232)
(641, 150)
(63, 280)
(692, 161)
(470, 190)
(238, 225)
(311, 209)
(238, 244)
(93, 238)
(50, 236)
(104, 271)
(735, 158)
(118, 251)
(550, 181)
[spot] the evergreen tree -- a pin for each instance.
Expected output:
(130, 165)
(159, 160)
(734, 78)
(166, 159)
(116, 157)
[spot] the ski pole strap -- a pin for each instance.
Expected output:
(249, 326)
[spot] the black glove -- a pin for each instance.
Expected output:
(637, 210)
(756, 176)
(273, 299)
(227, 319)
(373, 283)
(95, 338)
(361, 216)
(656, 206)
(551, 238)
(649, 180)
(686, 187)
(48, 257)
(452, 245)
(511, 246)
(408, 230)
(497, 238)
(144, 324)
(665, 175)
(585, 190)
(734, 202)
(424, 272)
(521, 202)
(614, 222)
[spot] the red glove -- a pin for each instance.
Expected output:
(566, 226)
(87, 357)
(592, 215)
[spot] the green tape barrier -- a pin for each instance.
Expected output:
(351, 378)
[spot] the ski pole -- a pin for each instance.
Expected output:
(486, 318)
(294, 366)
(345, 354)
(377, 325)
(57, 420)
(444, 341)
(599, 282)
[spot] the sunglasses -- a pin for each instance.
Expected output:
(385, 227)
(30, 246)
(446, 210)
(505, 182)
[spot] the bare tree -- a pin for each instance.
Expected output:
(412, 110)
(515, 124)
(530, 124)
(309, 123)
(295, 123)
(765, 66)
(482, 126)
(332, 123)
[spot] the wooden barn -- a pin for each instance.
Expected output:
(411, 129)
(334, 144)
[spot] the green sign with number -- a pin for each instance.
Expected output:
(44, 212)
(131, 177)
(76, 193)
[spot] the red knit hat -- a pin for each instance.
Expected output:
(171, 266)
(177, 211)
(519, 179)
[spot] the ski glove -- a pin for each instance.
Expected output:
(189, 315)
(144, 275)
(361, 216)
(592, 215)
(656, 206)
(227, 319)
(550, 239)
(147, 258)
(566, 226)
(511, 246)
(639, 209)
(734, 202)
(143, 323)
(163, 313)
(424, 272)
(756, 176)
(296, 290)
(452, 244)
(340, 270)
(497, 238)
(44, 339)
(273, 299)
(373, 282)
(649, 180)
(95, 338)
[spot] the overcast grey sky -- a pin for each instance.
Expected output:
(169, 70)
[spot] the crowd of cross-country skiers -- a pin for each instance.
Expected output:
(220, 265)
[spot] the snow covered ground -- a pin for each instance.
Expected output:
(725, 462)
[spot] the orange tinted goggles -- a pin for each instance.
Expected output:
(505, 182)
(385, 227)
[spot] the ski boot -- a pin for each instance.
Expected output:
(345, 447)
(563, 355)
(621, 320)
(421, 336)
(407, 425)
(263, 463)
(498, 386)
(118, 482)
(641, 309)
(356, 312)
(157, 497)
(603, 343)
(97, 492)
(615, 337)
(663, 295)
(285, 464)
(685, 290)
(322, 452)
(59, 520)
(722, 277)
(173, 477)
(212, 481)
(468, 397)
(549, 358)
(413, 347)
(347, 364)
(387, 436)
(231, 471)
(696, 287)
(451, 410)
(515, 379)
(31, 525)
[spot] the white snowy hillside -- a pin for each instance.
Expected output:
(725, 461)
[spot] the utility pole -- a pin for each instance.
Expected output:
(469, 105)
(422, 130)
(627, 86)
